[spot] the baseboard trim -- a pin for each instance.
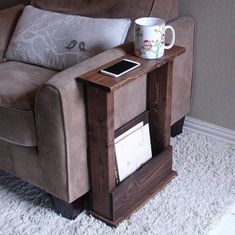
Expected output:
(209, 129)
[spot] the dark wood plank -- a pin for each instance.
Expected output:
(144, 117)
(100, 110)
(161, 185)
(141, 185)
(159, 95)
(95, 78)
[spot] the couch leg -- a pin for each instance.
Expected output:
(69, 210)
(177, 128)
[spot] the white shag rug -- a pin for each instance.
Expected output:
(188, 205)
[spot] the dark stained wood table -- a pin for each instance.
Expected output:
(109, 201)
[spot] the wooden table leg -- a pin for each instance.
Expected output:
(100, 110)
(159, 95)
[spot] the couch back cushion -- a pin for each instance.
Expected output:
(8, 20)
(58, 41)
(133, 9)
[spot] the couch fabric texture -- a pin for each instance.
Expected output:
(19, 83)
(8, 20)
(46, 109)
(133, 9)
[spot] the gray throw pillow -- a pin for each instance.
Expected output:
(59, 41)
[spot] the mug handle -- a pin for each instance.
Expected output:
(173, 37)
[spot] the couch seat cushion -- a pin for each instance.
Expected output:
(19, 83)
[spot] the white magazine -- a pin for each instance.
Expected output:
(133, 149)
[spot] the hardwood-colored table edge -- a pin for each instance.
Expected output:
(97, 79)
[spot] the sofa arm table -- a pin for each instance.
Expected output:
(110, 202)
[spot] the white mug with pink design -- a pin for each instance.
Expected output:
(149, 37)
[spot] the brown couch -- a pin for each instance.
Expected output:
(42, 112)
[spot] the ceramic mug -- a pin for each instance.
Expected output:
(149, 37)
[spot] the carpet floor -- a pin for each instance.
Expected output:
(188, 205)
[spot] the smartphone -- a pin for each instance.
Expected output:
(120, 68)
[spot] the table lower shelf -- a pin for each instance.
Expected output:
(138, 188)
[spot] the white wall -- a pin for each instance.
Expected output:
(213, 91)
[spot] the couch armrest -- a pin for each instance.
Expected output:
(61, 129)
(8, 19)
(182, 74)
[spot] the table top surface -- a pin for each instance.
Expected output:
(97, 79)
